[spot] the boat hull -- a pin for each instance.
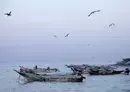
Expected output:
(105, 73)
(51, 78)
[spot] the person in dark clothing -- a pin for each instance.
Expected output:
(21, 70)
(48, 68)
(36, 67)
(127, 71)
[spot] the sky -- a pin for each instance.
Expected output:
(28, 35)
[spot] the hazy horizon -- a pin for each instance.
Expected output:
(28, 35)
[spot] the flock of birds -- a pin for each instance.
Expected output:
(110, 25)
(91, 13)
(10, 14)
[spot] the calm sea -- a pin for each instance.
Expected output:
(9, 82)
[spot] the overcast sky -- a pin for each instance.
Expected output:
(28, 34)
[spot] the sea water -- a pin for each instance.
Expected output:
(9, 82)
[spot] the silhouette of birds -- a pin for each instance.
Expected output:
(93, 12)
(8, 14)
(67, 35)
(112, 24)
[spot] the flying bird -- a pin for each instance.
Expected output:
(55, 36)
(67, 35)
(112, 24)
(93, 57)
(89, 44)
(93, 12)
(8, 14)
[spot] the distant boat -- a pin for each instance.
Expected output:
(94, 70)
(102, 72)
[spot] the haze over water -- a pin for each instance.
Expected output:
(27, 38)
(28, 34)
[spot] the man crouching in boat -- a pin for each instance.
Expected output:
(26, 70)
(77, 72)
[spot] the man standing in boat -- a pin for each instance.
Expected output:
(35, 67)
(127, 71)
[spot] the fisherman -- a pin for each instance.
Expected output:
(22, 69)
(48, 68)
(127, 71)
(79, 73)
(35, 67)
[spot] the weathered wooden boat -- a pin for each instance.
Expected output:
(95, 70)
(51, 77)
(38, 70)
(105, 72)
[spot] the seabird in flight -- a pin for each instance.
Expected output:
(93, 12)
(112, 24)
(8, 14)
(67, 35)
(55, 36)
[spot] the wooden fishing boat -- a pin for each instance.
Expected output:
(38, 70)
(51, 77)
(95, 70)
(105, 72)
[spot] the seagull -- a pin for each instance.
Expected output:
(67, 35)
(93, 12)
(55, 36)
(112, 24)
(109, 61)
(93, 57)
(8, 14)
